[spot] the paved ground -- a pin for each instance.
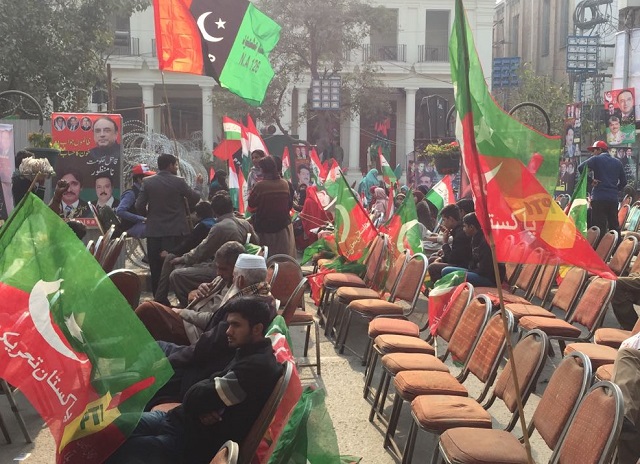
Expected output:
(342, 377)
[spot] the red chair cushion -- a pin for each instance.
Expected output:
(410, 384)
(389, 325)
(552, 327)
(599, 355)
(465, 445)
(391, 343)
(398, 362)
(438, 413)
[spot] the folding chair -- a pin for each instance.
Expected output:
(559, 402)
(101, 245)
(607, 244)
(128, 282)
(439, 413)
(113, 253)
(250, 444)
(16, 412)
(623, 212)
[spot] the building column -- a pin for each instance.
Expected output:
(207, 117)
(354, 148)
(302, 101)
(409, 123)
(149, 111)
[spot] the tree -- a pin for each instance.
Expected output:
(56, 50)
(316, 41)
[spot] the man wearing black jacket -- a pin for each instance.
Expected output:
(220, 408)
(456, 250)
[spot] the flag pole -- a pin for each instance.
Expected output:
(492, 243)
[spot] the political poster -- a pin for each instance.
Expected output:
(620, 116)
(90, 161)
(7, 166)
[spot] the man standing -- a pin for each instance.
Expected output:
(608, 179)
(220, 408)
(184, 326)
(162, 200)
(130, 222)
(197, 266)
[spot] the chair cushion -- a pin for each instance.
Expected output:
(389, 325)
(521, 310)
(604, 372)
(597, 354)
(410, 384)
(550, 326)
(391, 343)
(339, 279)
(611, 337)
(438, 413)
(347, 294)
(300, 317)
(398, 362)
(465, 445)
(374, 307)
(492, 293)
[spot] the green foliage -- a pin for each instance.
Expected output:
(541, 90)
(442, 150)
(316, 40)
(56, 50)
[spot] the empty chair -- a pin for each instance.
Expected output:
(568, 384)
(606, 245)
(593, 236)
(128, 282)
(612, 337)
(623, 212)
(112, 253)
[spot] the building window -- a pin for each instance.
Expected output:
(384, 41)
(437, 36)
(545, 30)
(515, 35)
(563, 29)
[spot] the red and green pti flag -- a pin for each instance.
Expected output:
(70, 340)
(444, 293)
(286, 164)
(229, 40)
(442, 194)
(354, 230)
(403, 229)
(388, 175)
(512, 204)
(578, 205)
(318, 172)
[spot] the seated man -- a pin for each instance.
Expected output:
(204, 215)
(626, 374)
(627, 294)
(220, 408)
(480, 269)
(197, 266)
(212, 351)
(456, 253)
(184, 326)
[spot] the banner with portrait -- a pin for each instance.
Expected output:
(90, 161)
(620, 116)
(629, 159)
(572, 130)
(7, 166)
(302, 173)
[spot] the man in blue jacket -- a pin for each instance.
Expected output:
(608, 179)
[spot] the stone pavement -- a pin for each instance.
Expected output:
(342, 377)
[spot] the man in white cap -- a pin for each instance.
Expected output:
(211, 353)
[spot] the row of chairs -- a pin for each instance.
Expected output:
(106, 249)
(439, 401)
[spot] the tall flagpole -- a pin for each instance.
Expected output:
(492, 244)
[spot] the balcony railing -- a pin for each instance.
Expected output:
(133, 49)
(437, 54)
(376, 52)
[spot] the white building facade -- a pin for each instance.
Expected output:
(414, 64)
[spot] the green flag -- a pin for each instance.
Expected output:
(229, 40)
(403, 228)
(578, 208)
(72, 343)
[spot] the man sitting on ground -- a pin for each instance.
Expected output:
(212, 352)
(197, 266)
(220, 408)
(184, 326)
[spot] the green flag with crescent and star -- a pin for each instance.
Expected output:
(70, 341)
(229, 40)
